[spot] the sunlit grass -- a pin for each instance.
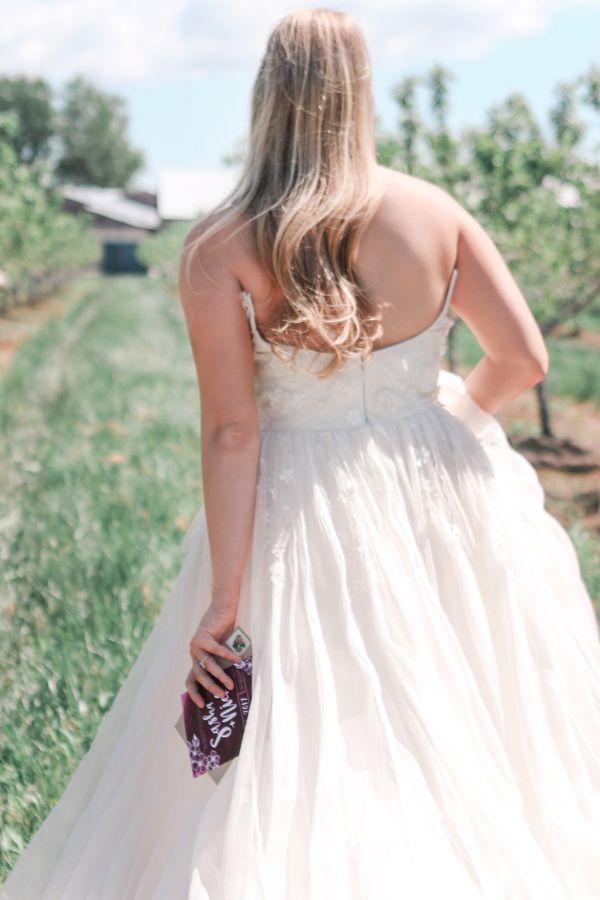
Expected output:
(101, 474)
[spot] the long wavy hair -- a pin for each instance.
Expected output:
(308, 187)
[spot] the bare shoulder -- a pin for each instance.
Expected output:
(418, 219)
(220, 253)
(417, 190)
(220, 230)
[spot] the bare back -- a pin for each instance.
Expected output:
(418, 235)
(405, 260)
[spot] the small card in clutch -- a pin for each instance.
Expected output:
(214, 733)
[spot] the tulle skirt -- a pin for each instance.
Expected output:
(425, 719)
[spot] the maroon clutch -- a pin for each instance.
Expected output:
(213, 734)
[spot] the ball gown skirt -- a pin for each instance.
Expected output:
(425, 719)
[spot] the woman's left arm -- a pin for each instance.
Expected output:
(230, 433)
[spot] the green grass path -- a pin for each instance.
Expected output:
(99, 437)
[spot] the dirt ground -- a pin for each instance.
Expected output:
(19, 323)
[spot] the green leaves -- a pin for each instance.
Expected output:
(37, 239)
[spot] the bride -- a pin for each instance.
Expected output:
(425, 714)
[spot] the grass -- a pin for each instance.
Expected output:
(99, 435)
(590, 318)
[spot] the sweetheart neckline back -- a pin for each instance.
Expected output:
(438, 318)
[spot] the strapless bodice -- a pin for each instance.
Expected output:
(396, 380)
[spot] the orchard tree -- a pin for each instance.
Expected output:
(30, 99)
(40, 245)
(92, 126)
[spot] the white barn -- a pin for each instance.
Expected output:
(187, 193)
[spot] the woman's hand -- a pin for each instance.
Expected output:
(216, 623)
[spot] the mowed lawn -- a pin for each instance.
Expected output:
(100, 476)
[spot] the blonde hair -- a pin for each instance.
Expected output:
(308, 186)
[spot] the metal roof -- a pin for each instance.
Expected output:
(111, 203)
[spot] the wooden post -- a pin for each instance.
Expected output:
(543, 408)
(451, 349)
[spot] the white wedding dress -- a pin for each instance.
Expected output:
(425, 720)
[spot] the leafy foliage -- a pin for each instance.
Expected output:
(160, 252)
(92, 129)
(31, 101)
(39, 243)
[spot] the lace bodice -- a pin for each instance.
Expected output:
(396, 380)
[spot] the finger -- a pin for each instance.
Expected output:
(215, 669)
(213, 646)
(192, 689)
(204, 678)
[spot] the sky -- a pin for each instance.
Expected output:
(185, 68)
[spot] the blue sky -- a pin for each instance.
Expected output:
(186, 73)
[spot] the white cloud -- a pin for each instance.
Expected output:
(134, 40)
